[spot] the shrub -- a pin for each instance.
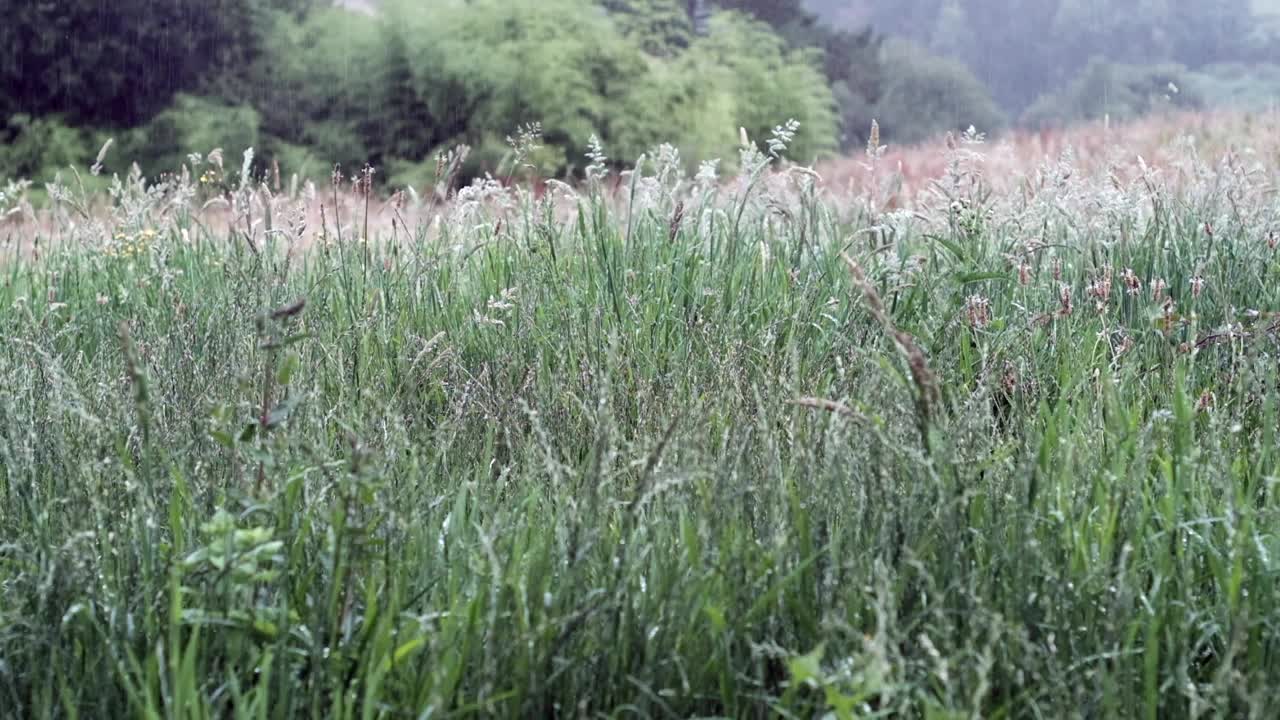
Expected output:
(324, 88)
(925, 95)
(1115, 90)
(1253, 87)
(671, 103)
(36, 148)
(480, 69)
(661, 28)
(118, 63)
(740, 75)
(772, 83)
(192, 124)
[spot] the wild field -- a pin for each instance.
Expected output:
(768, 442)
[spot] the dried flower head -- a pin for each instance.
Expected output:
(1158, 286)
(977, 310)
(874, 148)
(1168, 315)
(1132, 283)
(1100, 291)
(1100, 288)
(1206, 401)
(102, 155)
(364, 186)
(1065, 305)
(677, 218)
(1197, 286)
(1009, 379)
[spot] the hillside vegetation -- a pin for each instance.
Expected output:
(309, 84)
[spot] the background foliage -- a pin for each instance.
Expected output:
(394, 83)
(1023, 49)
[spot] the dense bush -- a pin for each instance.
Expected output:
(480, 69)
(192, 124)
(926, 95)
(323, 89)
(659, 27)
(761, 82)
(1237, 85)
(118, 63)
(395, 90)
(1115, 90)
(39, 147)
(1024, 48)
(311, 84)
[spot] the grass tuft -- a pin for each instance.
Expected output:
(671, 450)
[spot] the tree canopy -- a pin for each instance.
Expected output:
(1025, 48)
(312, 83)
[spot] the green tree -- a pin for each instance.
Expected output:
(1128, 32)
(1116, 90)
(660, 27)
(774, 12)
(953, 35)
(850, 57)
(483, 68)
(767, 81)
(1013, 56)
(192, 124)
(1211, 32)
(1025, 48)
(911, 19)
(39, 147)
(323, 93)
(850, 60)
(926, 95)
(118, 63)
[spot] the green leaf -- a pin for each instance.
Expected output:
(403, 652)
(716, 615)
(976, 277)
(282, 411)
(289, 365)
(808, 667)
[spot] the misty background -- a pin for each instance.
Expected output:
(393, 83)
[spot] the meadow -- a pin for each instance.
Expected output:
(965, 430)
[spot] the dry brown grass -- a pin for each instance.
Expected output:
(1021, 161)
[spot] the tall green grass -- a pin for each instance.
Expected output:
(682, 452)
